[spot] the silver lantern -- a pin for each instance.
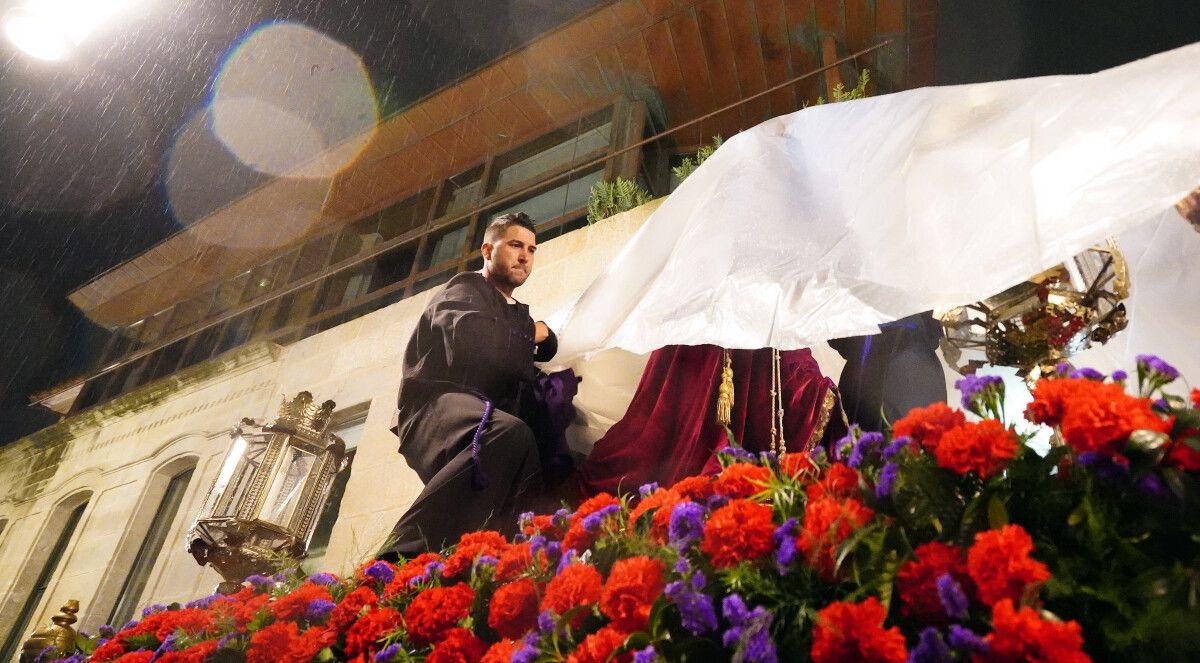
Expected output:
(272, 485)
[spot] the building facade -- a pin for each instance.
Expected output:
(251, 304)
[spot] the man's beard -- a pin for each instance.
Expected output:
(511, 276)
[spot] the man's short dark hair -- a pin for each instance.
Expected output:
(502, 223)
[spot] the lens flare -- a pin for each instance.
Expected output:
(51, 29)
(289, 100)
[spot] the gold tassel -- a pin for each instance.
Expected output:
(725, 392)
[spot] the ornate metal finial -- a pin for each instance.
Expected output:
(301, 413)
(60, 636)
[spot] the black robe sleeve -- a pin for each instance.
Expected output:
(482, 348)
(546, 350)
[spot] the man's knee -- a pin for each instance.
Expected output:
(512, 433)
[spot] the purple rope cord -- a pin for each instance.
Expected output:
(479, 480)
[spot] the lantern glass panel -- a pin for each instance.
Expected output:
(287, 486)
(237, 474)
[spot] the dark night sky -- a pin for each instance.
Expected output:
(82, 143)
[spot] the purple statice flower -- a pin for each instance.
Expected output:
(520, 537)
(734, 454)
(318, 609)
(1152, 485)
(682, 565)
(964, 639)
(168, 645)
(1062, 368)
(647, 655)
(1104, 466)
(1119, 376)
(280, 576)
(950, 593)
(768, 459)
(152, 609)
(129, 624)
(546, 622)
(715, 502)
(695, 607)
(528, 652)
(930, 648)
(978, 388)
(228, 640)
(846, 443)
(895, 446)
(749, 632)
(1087, 374)
(388, 653)
(260, 582)
(46, 654)
(862, 447)
(561, 519)
(487, 560)
(106, 631)
(525, 520)
(647, 489)
(568, 558)
(74, 658)
(203, 603)
(887, 478)
(687, 525)
(553, 552)
(1151, 364)
(323, 579)
(536, 543)
(785, 545)
(592, 521)
(380, 571)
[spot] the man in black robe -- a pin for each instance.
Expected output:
(467, 366)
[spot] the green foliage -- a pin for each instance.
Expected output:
(840, 93)
(690, 165)
(609, 198)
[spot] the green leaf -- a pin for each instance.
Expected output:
(997, 512)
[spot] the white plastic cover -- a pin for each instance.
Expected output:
(829, 221)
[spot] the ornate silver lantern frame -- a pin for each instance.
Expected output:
(273, 482)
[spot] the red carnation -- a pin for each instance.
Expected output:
(854, 632)
(470, 546)
(293, 604)
(984, 447)
(544, 525)
(741, 530)
(925, 425)
(266, 644)
(245, 611)
(137, 657)
(593, 504)
(371, 628)
(1093, 416)
(1196, 397)
(827, 523)
(411, 569)
(352, 604)
(697, 488)
(661, 500)
(630, 591)
(1183, 456)
(741, 480)
(577, 538)
(838, 481)
(599, 647)
(109, 651)
(916, 581)
(798, 464)
(459, 646)
(514, 561)
(578, 585)
(437, 610)
(501, 652)
(514, 608)
(310, 644)
(194, 654)
(1000, 565)
(1022, 635)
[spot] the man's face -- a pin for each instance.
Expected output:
(510, 259)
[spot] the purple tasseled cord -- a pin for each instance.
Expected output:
(479, 480)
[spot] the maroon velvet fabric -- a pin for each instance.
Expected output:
(670, 431)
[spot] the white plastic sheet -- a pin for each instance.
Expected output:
(829, 221)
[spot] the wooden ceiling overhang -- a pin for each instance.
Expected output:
(692, 56)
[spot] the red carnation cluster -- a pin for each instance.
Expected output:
(828, 522)
(370, 629)
(799, 465)
(1022, 635)
(470, 546)
(741, 480)
(917, 579)
(543, 524)
(501, 652)
(310, 643)
(838, 481)
(739, 531)
(352, 604)
(1196, 397)
(194, 654)
(697, 489)
(854, 632)
(630, 591)
(266, 643)
(1000, 566)
(662, 501)
(411, 569)
(1093, 416)
(594, 504)
(1183, 456)
(514, 608)
(983, 447)
(459, 646)
(925, 425)
(293, 604)
(437, 610)
(599, 647)
(577, 585)
(514, 561)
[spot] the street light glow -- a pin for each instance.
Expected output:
(51, 29)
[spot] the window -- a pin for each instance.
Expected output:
(460, 192)
(570, 195)
(17, 635)
(267, 277)
(446, 245)
(556, 150)
(350, 429)
(406, 215)
(229, 294)
(393, 266)
(312, 257)
(192, 310)
(150, 549)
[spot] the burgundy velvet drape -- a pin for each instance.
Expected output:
(670, 431)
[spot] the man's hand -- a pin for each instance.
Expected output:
(540, 332)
